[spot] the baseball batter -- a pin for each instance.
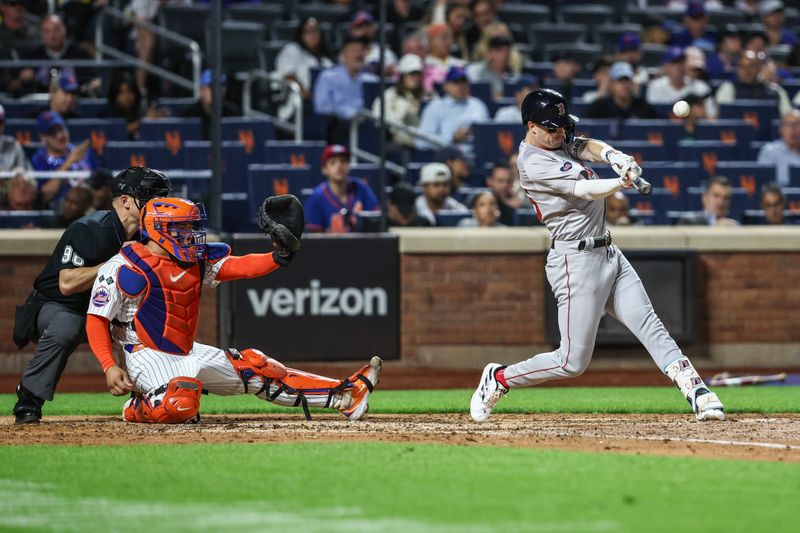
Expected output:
(147, 298)
(587, 273)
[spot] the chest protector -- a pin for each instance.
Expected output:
(166, 319)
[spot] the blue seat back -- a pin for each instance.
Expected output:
(121, 155)
(734, 131)
(707, 153)
(496, 141)
(252, 132)
(747, 175)
(758, 113)
(271, 180)
(307, 153)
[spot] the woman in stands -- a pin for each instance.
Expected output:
(402, 102)
(125, 101)
(296, 60)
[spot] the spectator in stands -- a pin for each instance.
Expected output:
(124, 101)
(439, 61)
(435, 180)
(100, 182)
(485, 213)
(363, 26)
(399, 12)
(675, 84)
(617, 210)
(695, 30)
(723, 63)
(498, 29)
(456, 19)
(63, 96)
(716, 204)
(601, 74)
(747, 85)
(338, 93)
(771, 12)
(201, 108)
(629, 49)
(77, 203)
(697, 112)
(18, 27)
(21, 193)
(402, 102)
(55, 46)
(11, 153)
(296, 60)
(656, 31)
(400, 209)
(484, 12)
(773, 203)
(565, 69)
(758, 42)
(333, 206)
(501, 182)
(785, 151)
(621, 103)
(415, 44)
(511, 114)
(495, 69)
(450, 118)
(58, 154)
(456, 162)
(696, 64)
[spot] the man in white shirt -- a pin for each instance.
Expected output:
(435, 180)
(784, 151)
(675, 84)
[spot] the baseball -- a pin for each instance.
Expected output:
(681, 109)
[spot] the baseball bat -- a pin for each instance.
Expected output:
(643, 186)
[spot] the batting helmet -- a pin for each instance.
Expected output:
(549, 109)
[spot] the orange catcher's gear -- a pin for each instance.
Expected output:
(279, 382)
(179, 404)
(177, 225)
(167, 317)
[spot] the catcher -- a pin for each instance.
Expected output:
(147, 299)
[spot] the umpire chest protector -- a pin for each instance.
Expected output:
(167, 317)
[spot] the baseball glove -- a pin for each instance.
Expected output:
(282, 219)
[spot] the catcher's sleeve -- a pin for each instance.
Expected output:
(247, 266)
(100, 340)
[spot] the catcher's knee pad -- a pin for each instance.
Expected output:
(251, 362)
(180, 403)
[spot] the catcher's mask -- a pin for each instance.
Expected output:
(177, 225)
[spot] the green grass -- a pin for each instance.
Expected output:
(531, 400)
(385, 487)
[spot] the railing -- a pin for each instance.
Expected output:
(295, 98)
(357, 152)
(194, 48)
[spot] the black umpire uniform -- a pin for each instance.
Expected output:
(58, 321)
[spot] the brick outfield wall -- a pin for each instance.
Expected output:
(20, 272)
(497, 299)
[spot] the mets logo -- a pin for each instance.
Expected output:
(100, 297)
(562, 110)
(566, 166)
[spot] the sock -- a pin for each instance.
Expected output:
(500, 376)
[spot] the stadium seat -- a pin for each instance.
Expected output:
(98, 131)
(329, 13)
(645, 151)
(590, 14)
(607, 35)
(545, 33)
(297, 154)
(794, 176)
(174, 105)
(747, 175)
(654, 209)
(662, 132)
(235, 159)
(91, 107)
(23, 219)
(237, 41)
(495, 141)
(253, 132)
(121, 155)
(237, 216)
(447, 218)
(24, 130)
(759, 113)
(707, 153)
(593, 128)
(23, 108)
(523, 14)
(673, 175)
(264, 14)
(271, 180)
(173, 131)
(653, 54)
(734, 131)
(369, 173)
(526, 218)
(584, 53)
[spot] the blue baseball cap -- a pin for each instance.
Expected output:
(68, 82)
(456, 74)
(206, 78)
(695, 8)
(620, 70)
(673, 54)
(48, 120)
(629, 41)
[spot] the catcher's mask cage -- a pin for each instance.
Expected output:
(550, 110)
(177, 225)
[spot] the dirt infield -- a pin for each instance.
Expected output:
(745, 437)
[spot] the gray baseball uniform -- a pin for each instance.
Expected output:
(585, 279)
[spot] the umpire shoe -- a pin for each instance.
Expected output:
(28, 409)
(364, 382)
(487, 394)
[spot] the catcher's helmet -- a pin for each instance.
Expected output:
(141, 183)
(549, 109)
(177, 225)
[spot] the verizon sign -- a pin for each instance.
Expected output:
(338, 300)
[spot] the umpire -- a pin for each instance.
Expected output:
(55, 312)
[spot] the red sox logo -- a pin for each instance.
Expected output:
(562, 110)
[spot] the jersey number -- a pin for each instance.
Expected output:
(71, 256)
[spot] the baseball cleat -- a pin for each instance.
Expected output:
(707, 406)
(28, 409)
(364, 382)
(487, 394)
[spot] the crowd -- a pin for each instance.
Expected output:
(450, 64)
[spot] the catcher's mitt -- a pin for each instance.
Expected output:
(282, 219)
